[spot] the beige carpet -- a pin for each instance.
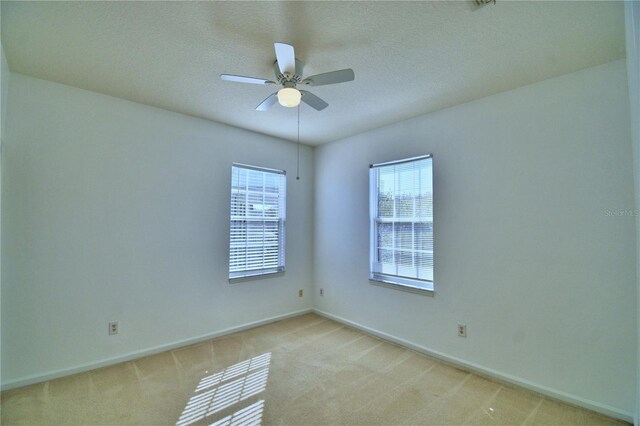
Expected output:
(301, 371)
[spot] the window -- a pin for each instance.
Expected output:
(401, 211)
(257, 221)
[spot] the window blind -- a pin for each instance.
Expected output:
(401, 210)
(257, 221)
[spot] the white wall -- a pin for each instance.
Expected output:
(4, 83)
(4, 89)
(632, 24)
(526, 255)
(114, 210)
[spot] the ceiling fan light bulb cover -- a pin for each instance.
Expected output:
(289, 97)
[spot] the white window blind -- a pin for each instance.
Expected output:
(401, 211)
(257, 221)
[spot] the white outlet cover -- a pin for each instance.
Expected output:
(113, 327)
(462, 330)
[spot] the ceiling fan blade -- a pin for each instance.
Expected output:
(313, 101)
(286, 58)
(242, 79)
(332, 77)
(267, 103)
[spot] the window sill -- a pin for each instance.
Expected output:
(260, 276)
(401, 287)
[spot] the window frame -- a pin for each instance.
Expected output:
(396, 281)
(280, 219)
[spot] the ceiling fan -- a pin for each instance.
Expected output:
(288, 72)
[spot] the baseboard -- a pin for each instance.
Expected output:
(507, 378)
(142, 353)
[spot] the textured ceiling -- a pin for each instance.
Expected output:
(409, 58)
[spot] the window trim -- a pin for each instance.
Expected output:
(396, 282)
(259, 276)
(249, 275)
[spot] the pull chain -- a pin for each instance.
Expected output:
(298, 164)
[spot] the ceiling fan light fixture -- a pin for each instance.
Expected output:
(289, 97)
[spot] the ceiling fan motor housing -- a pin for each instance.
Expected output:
(296, 78)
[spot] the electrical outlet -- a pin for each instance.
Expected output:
(462, 330)
(300, 293)
(321, 292)
(113, 327)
